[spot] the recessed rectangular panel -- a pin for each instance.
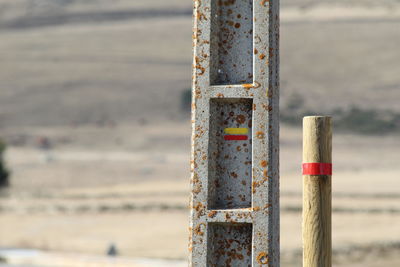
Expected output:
(231, 42)
(229, 245)
(230, 153)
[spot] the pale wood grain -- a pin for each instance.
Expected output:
(317, 206)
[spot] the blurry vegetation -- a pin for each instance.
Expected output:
(369, 121)
(4, 173)
(357, 120)
(186, 99)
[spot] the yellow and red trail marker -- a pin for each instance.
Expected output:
(236, 134)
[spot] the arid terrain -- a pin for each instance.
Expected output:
(103, 83)
(81, 199)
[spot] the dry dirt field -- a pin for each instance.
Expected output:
(103, 82)
(81, 199)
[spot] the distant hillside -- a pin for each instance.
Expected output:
(70, 62)
(29, 14)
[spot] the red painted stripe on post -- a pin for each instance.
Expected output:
(317, 169)
(235, 137)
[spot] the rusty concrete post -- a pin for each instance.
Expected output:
(235, 139)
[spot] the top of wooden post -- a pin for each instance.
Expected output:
(317, 136)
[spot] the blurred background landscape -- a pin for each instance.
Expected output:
(95, 113)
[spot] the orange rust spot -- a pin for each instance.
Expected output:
(198, 230)
(266, 107)
(198, 207)
(198, 66)
(241, 119)
(202, 70)
(255, 185)
(255, 51)
(219, 95)
(251, 85)
(197, 189)
(256, 208)
(262, 56)
(200, 16)
(237, 25)
(262, 258)
(199, 132)
(248, 85)
(195, 178)
(264, 163)
(260, 135)
(197, 93)
(212, 214)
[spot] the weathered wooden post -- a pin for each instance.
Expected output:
(317, 187)
(235, 153)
